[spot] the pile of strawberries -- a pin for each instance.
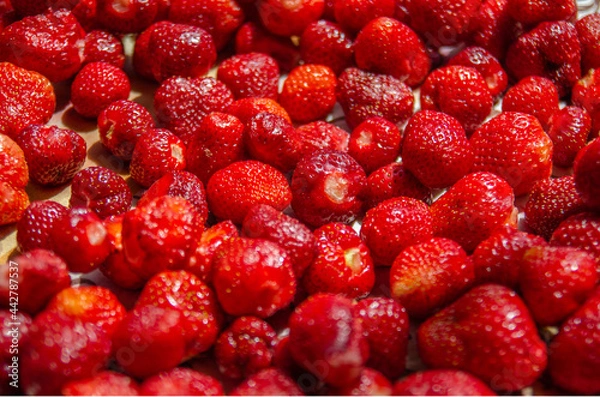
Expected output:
(274, 250)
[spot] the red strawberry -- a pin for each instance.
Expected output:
(489, 333)
(32, 7)
(342, 265)
(250, 75)
(233, 190)
(493, 28)
(13, 202)
(568, 129)
(531, 12)
(284, 19)
(30, 92)
(104, 383)
(363, 95)
(580, 231)
(385, 45)
(556, 281)
(574, 353)
(102, 46)
(126, 16)
(326, 43)
(14, 176)
(181, 381)
(473, 208)
(370, 383)
(441, 382)
(34, 227)
(321, 135)
(585, 95)
(374, 143)
(326, 339)
(245, 347)
(486, 64)
(142, 58)
(101, 190)
(533, 95)
(253, 277)
(97, 85)
(270, 381)
(514, 146)
(385, 326)
(588, 31)
(459, 91)
(355, 14)
(246, 108)
(586, 172)
(53, 154)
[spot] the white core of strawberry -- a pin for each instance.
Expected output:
(353, 259)
(177, 153)
(336, 188)
(96, 233)
(365, 138)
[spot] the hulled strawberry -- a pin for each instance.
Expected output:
(33, 229)
(181, 381)
(326, 43)
(441, 382)
(104, 383)
(250, 75)
(374, 143)
(587, 174)
(393, 180)
(569, 129)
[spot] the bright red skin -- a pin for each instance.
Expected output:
(155, 154)
(104, 383)
(489, 333)
(342, 265)
(253, 277)
(533, 95)
(321, 135)
(385, 45)
(121, 124)
(493, 28)
(270, 381)
(550, 202)
(24, 43)
(514, 146)
(374, 143)
(568, 129)
(355, 14)
(233, 190)
(326, 338)
(182, 103)
(486, 64)
(435, 149)
(588, 31)
(149, 340)
(586, 171)
(246, 108)
(585, 95)
(41, 274)
(393, 180)
(459, 91)
(102, 46)
(220, 19)
(181, 381)
(385, 326)
(129, 16)
(101, 190)
(327, 43)
(245, 347)
(426, 277)
(573, 354)
(14, 165)
(289, 19)
(250, 75)
(370, 383)
(556, 281)
(33, 229)
(13, 202)
(363, 95)
(473, 208)
(497, 259)
(264, 221)
(85, 12)
(142, 57)
(53, 154)
(550, 50)
(327, 186)
(32, 7)
(160, 235)
(441, 382)
(581, 231)
(393, 225)
(197, 303)
(530, 12)
(28, 91)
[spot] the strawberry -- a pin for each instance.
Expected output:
(342, 264)
(14, 165)
(253, 277)
(459, 91)
(441, 382)
(182, 103)
(531, 13)
(374, 143)
(142, 58)
(156, 153)
(493, 28)
(326, 339)
(319, 135)
(289, 19)
(587, 174)
(580, 231)
(355, 14)
(160, 235)
(184, 292)
(533, 95)
(250, 75)
(97, 85)
(246, 108)
(435, 149)
(31, 7)
(264, 221)
(28, 91)
(327, 43)
(270, 381)
(245, 347)
(568, 129)
(53, 154)
(385, 326)
(181, 381)
(33, 229)
(126, 16)
(473, 208)
(556, 281)
(588, 31)
(363, 95)
(573, 363)
(550, 202)
(121, 124)
(514, 146)
(488, 332)
(102, 46)
(486, 64)
(233, 190)
(497, 259)
(370, 383)
(104, 383)
(49, 43)
(585, 95)
(13, 202)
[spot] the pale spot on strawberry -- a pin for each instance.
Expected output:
(336, 188)
(96, 233)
